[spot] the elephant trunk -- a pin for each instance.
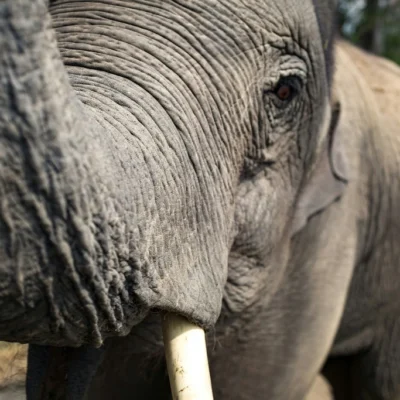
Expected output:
(99, 223)
(52, 185)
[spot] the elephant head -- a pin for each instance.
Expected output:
(151, 153)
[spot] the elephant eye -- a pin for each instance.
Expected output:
(284, 92)
(286, 89)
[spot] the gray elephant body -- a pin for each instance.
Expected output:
(370, 324)
(342, 298)
(194, 157)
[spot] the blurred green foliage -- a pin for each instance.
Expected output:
(373, 25)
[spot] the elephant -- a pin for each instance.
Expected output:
(232, 162)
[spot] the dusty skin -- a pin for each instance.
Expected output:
(13, 355)
(208, 159)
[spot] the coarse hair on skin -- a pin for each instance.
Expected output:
(326, 12)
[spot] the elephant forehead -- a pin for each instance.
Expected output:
(283, 17)
(231, 44)
(237, 23)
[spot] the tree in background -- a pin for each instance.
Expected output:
(372, 24)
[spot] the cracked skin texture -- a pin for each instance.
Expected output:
(126, 189)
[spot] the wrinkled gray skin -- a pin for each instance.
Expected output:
(148, 163)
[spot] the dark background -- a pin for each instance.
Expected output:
(373, 25)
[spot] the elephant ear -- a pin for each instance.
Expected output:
(326, 13)
(329, 178)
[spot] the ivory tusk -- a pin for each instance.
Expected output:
(186, 354)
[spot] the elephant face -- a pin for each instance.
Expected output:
(169, 177)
